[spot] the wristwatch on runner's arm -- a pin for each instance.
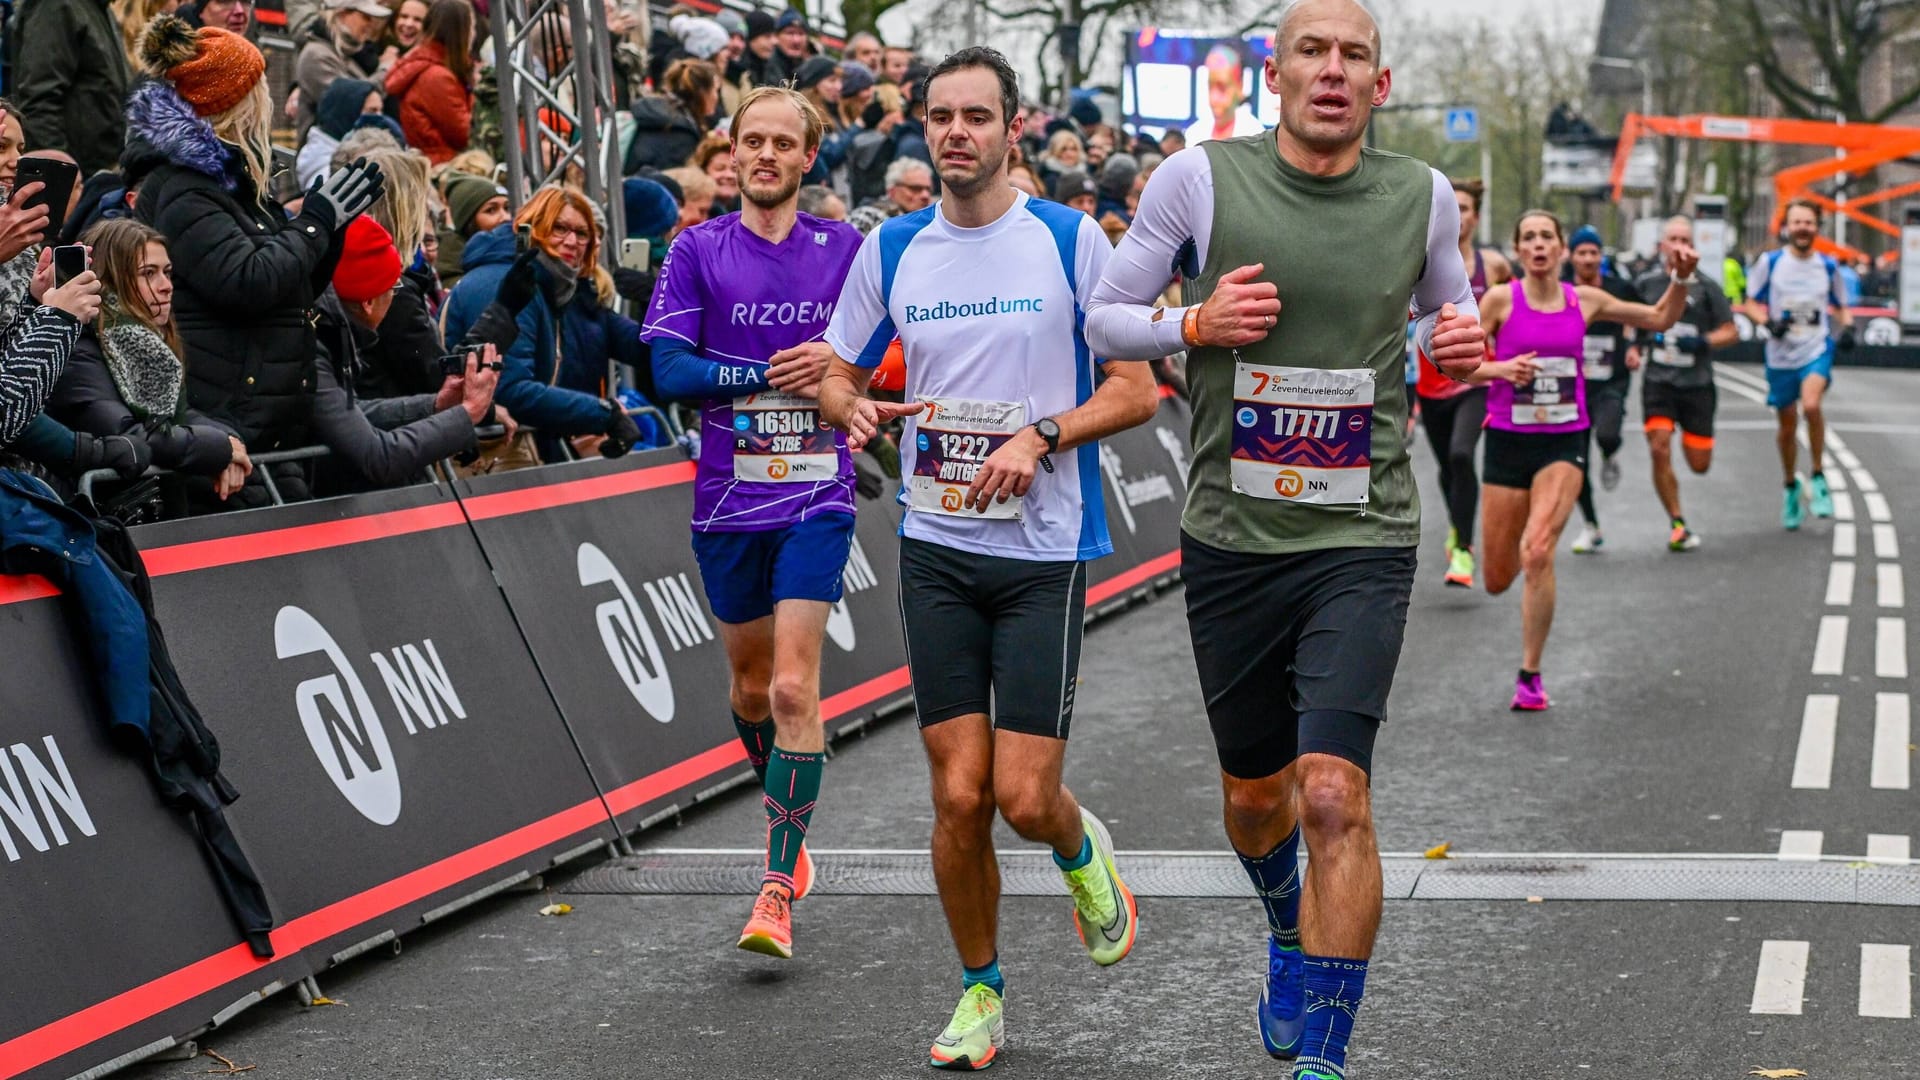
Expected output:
(1049, 432)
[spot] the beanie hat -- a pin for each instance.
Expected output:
(1084, 109)
(466, 194)
(368, 263)
(814, 72)
(651, 208)
(385, 123)
(855, 77)
(1073, 184)
(700, 37)
(1116, 176)
(759, 24)
(788, 18)
(731, 22)
(211, 69)
(341, 104)
(1585, 234)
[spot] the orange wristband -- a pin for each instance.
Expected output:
(1190, 326)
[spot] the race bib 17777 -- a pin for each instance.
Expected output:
(1302, 435)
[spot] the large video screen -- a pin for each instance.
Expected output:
(1170, 78)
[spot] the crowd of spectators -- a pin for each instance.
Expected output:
(345, 268)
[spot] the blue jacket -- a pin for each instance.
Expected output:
(568, 401)
(40, 535)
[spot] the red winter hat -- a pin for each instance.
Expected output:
(368, 265)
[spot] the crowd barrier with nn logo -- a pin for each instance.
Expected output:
(424, 696)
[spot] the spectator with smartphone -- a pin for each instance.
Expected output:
(126, 379)
(22, 227)
(36, 342)
(384, 442)
(71, 79)
(556, 373)
(245, 273)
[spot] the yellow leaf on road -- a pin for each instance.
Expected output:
(557, 909)
(1777, 1074)
(1439, 852)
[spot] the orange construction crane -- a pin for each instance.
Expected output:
(1864, 146)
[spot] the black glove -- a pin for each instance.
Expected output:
(1846, 339)
(339, 197)
(1691, 344)
(1781, 326)
(622, 433)
(127, 457)
(519, 286)
(634, 285)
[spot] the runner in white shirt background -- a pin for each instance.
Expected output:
(986, 291)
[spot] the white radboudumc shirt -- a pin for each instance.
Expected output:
(991, 323)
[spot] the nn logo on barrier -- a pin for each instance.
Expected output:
(628, 635)
(43, 784)
(341, 724)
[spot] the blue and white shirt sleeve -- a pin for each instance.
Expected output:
(861, 327)
(1759, 278)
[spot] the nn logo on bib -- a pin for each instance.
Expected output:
(992, 305)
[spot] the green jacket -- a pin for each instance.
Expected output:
(71, 80)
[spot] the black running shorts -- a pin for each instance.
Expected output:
(1296, 652)
(1690, 408)
(992, 635)
(1512, 459)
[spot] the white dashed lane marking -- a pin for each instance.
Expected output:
(1845, 541)
(1840, 584)
(1830, 647)
(1892, 731)
(1781, 983)
(1889, 649)
(1813, 762)
(1800, 845)
(1892, 585)
(1886, 981)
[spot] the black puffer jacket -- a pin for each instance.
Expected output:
(245, 276)
(90, 398)
(664, 136)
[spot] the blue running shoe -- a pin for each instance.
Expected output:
(1283, 1001)
(1792, 512)
(1822, 497)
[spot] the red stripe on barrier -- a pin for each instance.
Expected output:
(1119, 583)
(547, 496)
(272, 543)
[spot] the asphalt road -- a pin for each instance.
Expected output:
(1688, 718)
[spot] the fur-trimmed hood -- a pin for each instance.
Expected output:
(161, 124)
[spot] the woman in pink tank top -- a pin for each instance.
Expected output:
(1537, 428)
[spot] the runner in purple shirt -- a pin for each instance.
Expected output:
(735, 324)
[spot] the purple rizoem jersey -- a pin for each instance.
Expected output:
(733, 296)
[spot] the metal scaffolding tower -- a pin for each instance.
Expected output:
(554, 64)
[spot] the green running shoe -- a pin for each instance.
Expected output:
(1103, 908)
(1460, 568)
(974, 1035)
(1822, 498)
(1791, 510)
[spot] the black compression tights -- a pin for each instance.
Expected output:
(1453, 431)
(1608, 412)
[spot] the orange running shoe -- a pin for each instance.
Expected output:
(770, 930)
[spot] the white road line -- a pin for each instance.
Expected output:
(1781, 982)
(1837, 481)
(1889, 649)
(1842, 505)
(1877, 506)
(1798, 845)
(1749, 393)
(1813, 761)
(1882, 848)
(1892, 583)
(1863, 480)
(1740, 375)
(1886, 543)
(1886, 981)
(1830, 648)
(1845, 541)
(1892, 731)
(1845, 455)
(1840, 584)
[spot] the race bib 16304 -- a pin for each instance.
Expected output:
(778, 439)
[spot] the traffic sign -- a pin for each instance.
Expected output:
(1463, 125)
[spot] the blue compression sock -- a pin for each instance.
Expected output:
(989, 975)
(1276, 877)
(1334, 989)
(1080, 860)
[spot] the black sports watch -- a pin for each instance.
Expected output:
(1049, 431)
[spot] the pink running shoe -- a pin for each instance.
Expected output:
(1529, 695)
